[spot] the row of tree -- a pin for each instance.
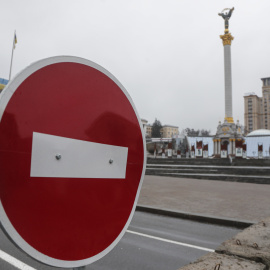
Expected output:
(198, 132)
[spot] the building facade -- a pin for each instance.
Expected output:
(266, 103)
(169, 131)
(257, 109)
(144, 123)
(149, 130)
(253, 112)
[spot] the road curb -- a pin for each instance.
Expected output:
(196, 217)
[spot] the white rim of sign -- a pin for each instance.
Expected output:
(5, 96)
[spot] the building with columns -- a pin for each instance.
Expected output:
(228, 132)
(226, 136)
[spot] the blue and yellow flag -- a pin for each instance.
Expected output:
(15, 40)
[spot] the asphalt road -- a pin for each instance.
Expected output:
(151, 242)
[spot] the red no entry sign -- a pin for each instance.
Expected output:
(72, 161)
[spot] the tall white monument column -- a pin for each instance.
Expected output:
(227, 39)
(228, 131)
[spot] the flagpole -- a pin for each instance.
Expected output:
(12, 55)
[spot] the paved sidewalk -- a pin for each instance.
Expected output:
(232, 200)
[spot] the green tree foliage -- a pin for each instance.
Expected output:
(205, 132)
(192, 132)
(198, 132)
(156, 127)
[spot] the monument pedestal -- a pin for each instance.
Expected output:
(227, 135)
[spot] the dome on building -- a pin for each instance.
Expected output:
(259, 132)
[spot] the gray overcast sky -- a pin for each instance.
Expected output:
(166, 53)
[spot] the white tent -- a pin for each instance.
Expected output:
(255, 138)
(205, 140)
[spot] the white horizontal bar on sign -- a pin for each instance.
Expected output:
(54, 156)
